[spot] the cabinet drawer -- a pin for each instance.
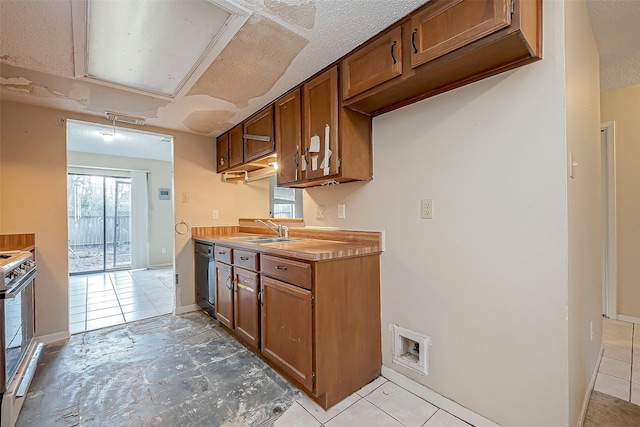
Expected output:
(223, 254)
(295, 272)
(244, 259)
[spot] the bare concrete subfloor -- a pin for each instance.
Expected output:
(609, 411)
(165, 371)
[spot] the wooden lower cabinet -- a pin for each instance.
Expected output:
(287, 329)
(224, 294)
(326, 339)
(245, 304)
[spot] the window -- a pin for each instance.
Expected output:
(284, 202)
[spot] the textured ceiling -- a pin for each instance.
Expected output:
(282, 44)
(616, 28)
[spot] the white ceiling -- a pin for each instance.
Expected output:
(87, 138)
(283, 43)
(616, 28)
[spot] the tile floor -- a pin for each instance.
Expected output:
(100, 300)
(378, 404)
(619, 371)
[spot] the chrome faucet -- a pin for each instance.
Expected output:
(277, 228)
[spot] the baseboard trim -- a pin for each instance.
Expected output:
(159, 266)
(51, 338)
(592, 383)
(187, 309)
(628, 318)
(437, 399)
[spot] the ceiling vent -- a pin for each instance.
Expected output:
(124, 118)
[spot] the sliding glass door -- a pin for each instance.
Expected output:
(99, 220)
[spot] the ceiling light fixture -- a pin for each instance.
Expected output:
(124, 118)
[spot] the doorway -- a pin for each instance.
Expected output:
(120, 222)
(608, 155)
(99, 223)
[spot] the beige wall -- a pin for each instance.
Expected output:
(33, 196)
(585, 204)
(487, 278)
(623, 107)
(160, 211)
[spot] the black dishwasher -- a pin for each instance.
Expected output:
(205, 291)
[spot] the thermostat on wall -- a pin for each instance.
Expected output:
(164, 194)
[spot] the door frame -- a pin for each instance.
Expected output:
(609, 289)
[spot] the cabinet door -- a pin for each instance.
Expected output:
(224, 294)
(235, 146)
(287, 329)
(450, 24)
(256, 130)
(289, 137)
(246, 306)
(222, 153)
(321, 124)
(375, 63)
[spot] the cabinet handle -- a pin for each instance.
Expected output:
(393, 45)
(244, 258)
(260, 298)
(222, 252)
(295, 159)
(227, 283)
(281, 268)
(413, 40)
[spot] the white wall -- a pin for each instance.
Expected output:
(33, 199)
(487, 278)
(160, 211)
(585, 204)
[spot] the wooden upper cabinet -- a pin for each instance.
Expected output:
(452, 24)
(222, 153)
(288, 118)
(235, 146)
(320, 97)
(377, 62)
(258, 135)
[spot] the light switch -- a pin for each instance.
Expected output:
(572, 166)
(185, 197)
(342, 211)
(320, 212)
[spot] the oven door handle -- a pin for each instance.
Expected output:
(13, 292)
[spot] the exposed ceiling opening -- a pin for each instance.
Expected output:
(116, 141)
(158, 48)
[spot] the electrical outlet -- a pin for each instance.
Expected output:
(185, 197)
(214, 214)
(426, 209)
(342, 211)
(320, 212)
